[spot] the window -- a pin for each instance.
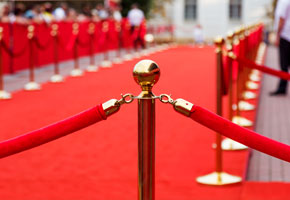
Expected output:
(235, 9)
(190, 10)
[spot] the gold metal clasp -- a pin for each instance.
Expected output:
(182, 106)
(126, 99)
(165, 98)
(112, 106)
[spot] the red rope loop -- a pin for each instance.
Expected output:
(83, 44)
(250, 64)
(240, 134)
(72, 42)
(10, 51)
(52, 132)
(42, 46)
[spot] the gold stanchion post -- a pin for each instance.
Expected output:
(91, 31)
(76, 71)
(146, 73)
(252, 76)
(106, 63)
(242, 105)
(238, 119)
(229, 144)
(219, 177)
(56, 78)
(3, 93)
(118, 59)
(31, 85)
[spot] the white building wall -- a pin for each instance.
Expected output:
(213, 15)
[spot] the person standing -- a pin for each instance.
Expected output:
(136, 17)
(60, 13)
(198, 34)
(282, 19)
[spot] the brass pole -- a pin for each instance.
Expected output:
(91, 32)
(31, 85)
(76, 32)
(219, 177)
(76, 70)
(56, 77)
(54, 34)
(30, 36)
(219, 44)
(238, 80)
(3, 94)
(1, 64)
(244, 72)
(146, 73)
(230, 37)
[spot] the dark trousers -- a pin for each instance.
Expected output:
(284, 51)
(138, 40)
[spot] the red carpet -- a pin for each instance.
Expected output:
(100, 162)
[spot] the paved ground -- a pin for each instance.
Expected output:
(273, 121)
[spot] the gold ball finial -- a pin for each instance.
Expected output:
(146, 73)
(219, 41)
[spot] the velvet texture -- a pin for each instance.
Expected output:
(240, 134)
(52, 132)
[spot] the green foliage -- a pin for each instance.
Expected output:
(144, 5)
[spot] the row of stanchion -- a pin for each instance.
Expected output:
(74, 43)
(235, 81)
(232, 79)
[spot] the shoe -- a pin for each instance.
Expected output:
(277, 93)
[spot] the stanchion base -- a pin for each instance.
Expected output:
(246, 106)
(5, 95)
(249, 95)
(76, 73)
(231, 145)
(218, 178)
(32, 86)
(117, 60)
(56, 78)
(106, 64)
(92, 68)
(128, 57)
(159, 49)
(241, 121)
(254, 77)
(153, 49)
(137, 55)
(252, 86)
(234, 107)
(256, 72)
(145, 52)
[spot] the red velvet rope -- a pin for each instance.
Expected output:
(71, 42)
(14, 54)
(83, 44)
(52, 132)
(253, 65)
(240, 134)
(42, 46)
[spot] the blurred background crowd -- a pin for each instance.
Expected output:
(61, 11)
